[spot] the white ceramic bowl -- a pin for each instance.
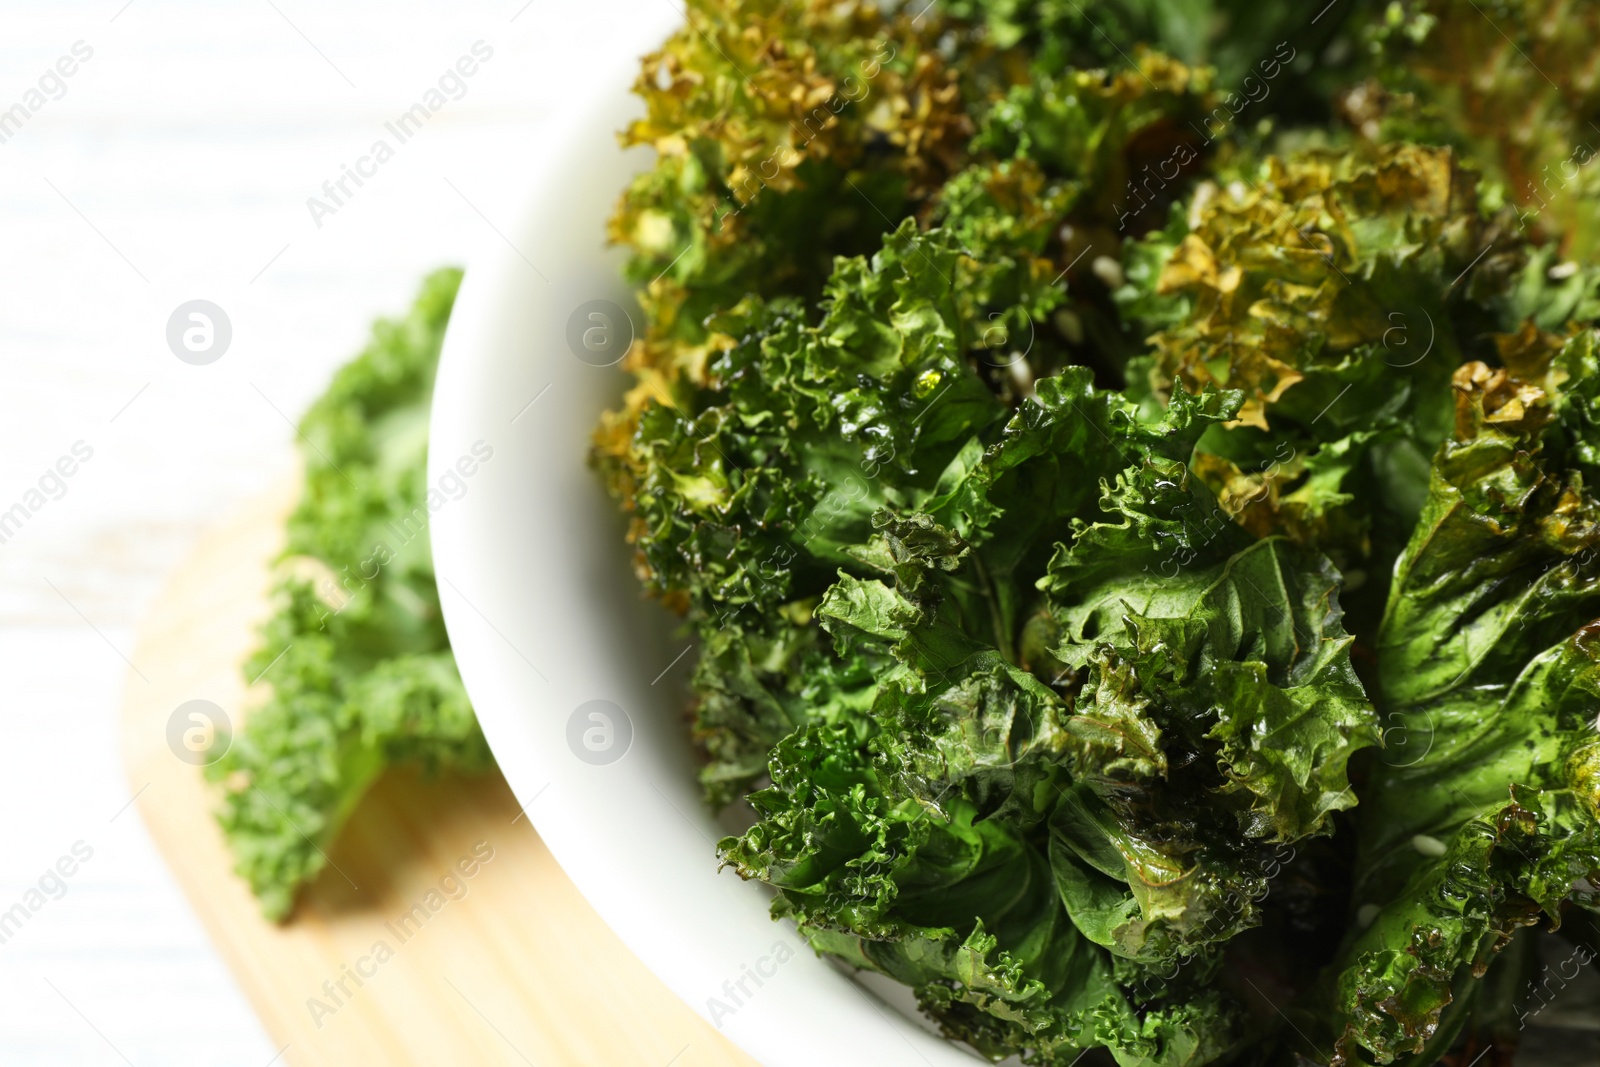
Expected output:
(545, 616)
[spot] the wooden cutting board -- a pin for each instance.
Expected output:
(507, 966)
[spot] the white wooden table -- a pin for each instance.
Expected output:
(176, 164)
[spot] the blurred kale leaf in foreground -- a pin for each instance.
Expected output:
(355, 656)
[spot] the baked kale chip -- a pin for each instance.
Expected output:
(1138, 530)
(356, 658)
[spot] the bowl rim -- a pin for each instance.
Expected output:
(538, 597)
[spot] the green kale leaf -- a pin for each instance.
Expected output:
(356, 657)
